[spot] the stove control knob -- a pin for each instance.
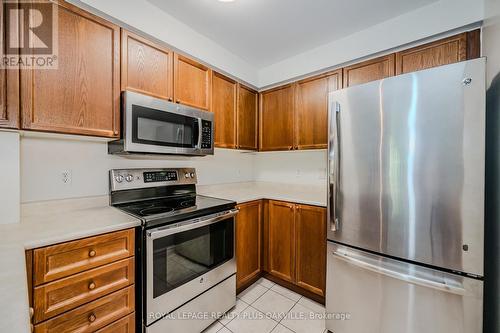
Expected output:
(129, 178)
(119, 178)
(192, 174)
(187, 175)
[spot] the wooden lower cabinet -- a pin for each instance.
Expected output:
(282, 240)
(296, 245)
(248, 243)
(310, 239)
(94, 290)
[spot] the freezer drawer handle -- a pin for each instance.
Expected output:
(400, 276)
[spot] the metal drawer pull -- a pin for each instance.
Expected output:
(92, 285)
(92, 318)
(92, 253)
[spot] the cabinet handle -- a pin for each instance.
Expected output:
(92, 318)
(170, 99)
(177, 101)
(92, 253)
(92, 285)
(32, 328)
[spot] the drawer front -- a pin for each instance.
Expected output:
(92, 316)
(62, 295)
(124, 325)
(61, 260)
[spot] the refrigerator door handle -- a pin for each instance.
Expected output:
(381, 268)
(333, 165)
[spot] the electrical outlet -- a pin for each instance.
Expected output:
(66, 177)
(298, 173)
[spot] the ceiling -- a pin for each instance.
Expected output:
(263, 32)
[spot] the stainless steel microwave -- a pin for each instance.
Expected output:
(155, 126)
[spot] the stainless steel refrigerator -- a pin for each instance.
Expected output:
(406, 160)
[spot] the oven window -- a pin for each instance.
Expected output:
(163, 128)
(181, 257)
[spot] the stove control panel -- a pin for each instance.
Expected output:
(128, 179)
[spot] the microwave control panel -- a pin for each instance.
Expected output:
(206, 134)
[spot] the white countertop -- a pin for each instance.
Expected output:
(51, 222)
(243, 192)
(42, 224)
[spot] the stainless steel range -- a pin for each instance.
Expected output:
(186, 248)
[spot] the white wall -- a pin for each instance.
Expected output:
(298, 167)
(142, 15)
(9, 177)
(43, 160)
(436, 18)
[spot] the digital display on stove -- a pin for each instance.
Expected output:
(160, 176)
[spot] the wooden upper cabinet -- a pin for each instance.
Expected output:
(310, 233)
(9, 84)
(311, 101)
(247, 116)
(81, 96)
(370, 70)
(276, 119)
(442, 52)
(224, 95)
(192, 82)
(147, 67)
(281, 238)
(248, 242)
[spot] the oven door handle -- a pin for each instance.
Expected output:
(189, 224)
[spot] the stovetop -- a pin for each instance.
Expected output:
(165, 210)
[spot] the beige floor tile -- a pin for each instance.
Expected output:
(215, 327)
(265, 283)
(281, 329)
(303, 320)
(251, 320)
(230, 315)
(310, 304)
(274, 305)
(253, 292)
(286, 292)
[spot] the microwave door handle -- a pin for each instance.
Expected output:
(200, 134)
(189, 225)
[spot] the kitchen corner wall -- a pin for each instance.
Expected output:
(297, 167)
(9, 177)
(85, 162)
(44, 160)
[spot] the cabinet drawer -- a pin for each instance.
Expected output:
(61, 260)
(92, 316)
(62, 295)
(124, 325)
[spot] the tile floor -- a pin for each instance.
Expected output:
(267, 307)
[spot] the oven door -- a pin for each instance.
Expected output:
(153, 125)
(186, 259)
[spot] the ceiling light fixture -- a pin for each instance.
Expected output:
(226, 0)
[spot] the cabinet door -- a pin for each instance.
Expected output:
(311, 96)
(281, 228)
(146, 67)
(276, 119)
(442, 52)
(370, 70)
(310, 235)
(247, 116)
(248, 242)
(81, 96)
(9, 83)
(192, 83)
(224, 109)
